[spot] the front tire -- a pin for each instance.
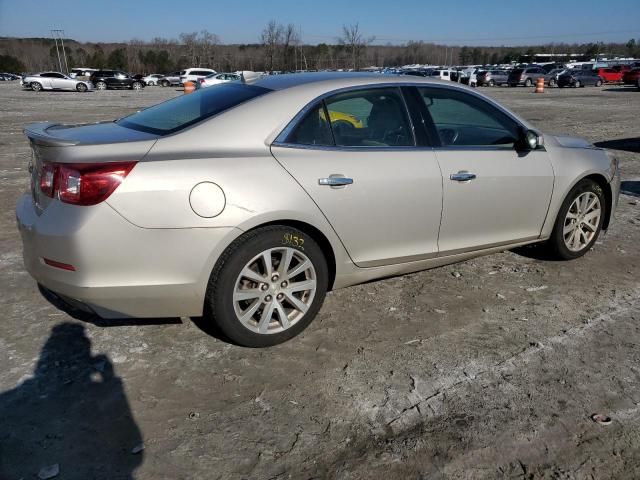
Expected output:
(528, 82)
(165, 83)
(136, 86)
(599, 83)
(36, 87)
(267, 286)
(577, 84)
(579, 221)
(81, 87)
(101, 85)
(552, 82)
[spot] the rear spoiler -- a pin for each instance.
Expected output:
(37, 133)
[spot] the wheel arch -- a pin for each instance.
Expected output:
(606, 188)
(317, 235)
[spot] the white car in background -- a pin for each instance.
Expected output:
(217, 78)
(194, 74)
(152, 79)
(54, 81)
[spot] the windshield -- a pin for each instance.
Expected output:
(178, 113)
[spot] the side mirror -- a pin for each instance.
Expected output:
(530, 140)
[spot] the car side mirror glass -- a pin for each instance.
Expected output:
(530, 140)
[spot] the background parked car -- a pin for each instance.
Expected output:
(170, 79)
(527, 76)
(103, 79)
(493, 77)
(82, 73)
(217, 78)
(579, 78)
(552, 76)
(631, 77)
(152, 79)
(8, 77)
(609, 75)
(54, 81)
(194, 74)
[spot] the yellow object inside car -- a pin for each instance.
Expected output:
(343, 117)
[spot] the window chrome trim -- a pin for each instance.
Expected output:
(280, 140)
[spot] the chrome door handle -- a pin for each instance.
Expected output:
(335, 181)
(462, 176)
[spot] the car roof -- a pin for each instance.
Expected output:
(336, 79)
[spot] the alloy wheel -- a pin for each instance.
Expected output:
(274, 290)
(582, 221)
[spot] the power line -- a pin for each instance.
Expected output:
(492, 39)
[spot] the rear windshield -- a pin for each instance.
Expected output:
(178, 113)
(517, 71)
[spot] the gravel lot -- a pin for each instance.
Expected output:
(490, 368)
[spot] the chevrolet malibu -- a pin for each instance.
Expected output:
(242, 203)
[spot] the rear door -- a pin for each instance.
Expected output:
(381, 193)
(493, 194)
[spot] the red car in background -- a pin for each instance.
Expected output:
(632, 77)
(609, 75)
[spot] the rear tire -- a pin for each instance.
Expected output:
(136, 86)
(577, 84)
(599, 83)
(243, 306)
(528, 82)
(81, 87)
(165, 83)
(552, 82)
(35, 86)
(570, 219)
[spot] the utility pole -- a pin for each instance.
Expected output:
(58, 34)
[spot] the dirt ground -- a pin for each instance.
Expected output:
(490, 368)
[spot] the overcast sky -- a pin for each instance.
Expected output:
(481, 22)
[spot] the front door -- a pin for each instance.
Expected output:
(493, 194)
(381, 194)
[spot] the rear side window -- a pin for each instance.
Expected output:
(313, 129)
(370, 118)
(360, 118)
(180, 112)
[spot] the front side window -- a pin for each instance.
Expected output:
(370, 118)
(180, 112)
(461, 119)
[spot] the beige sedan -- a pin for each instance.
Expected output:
(246, 203)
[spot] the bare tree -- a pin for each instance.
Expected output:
(272, 39)
(190, 41)
(290, 39)
(353, 39)
(208, 43)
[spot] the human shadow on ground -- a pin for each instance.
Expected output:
(72, 412)
(631, 188)
(627, 144)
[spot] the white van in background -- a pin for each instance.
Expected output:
(194, 74)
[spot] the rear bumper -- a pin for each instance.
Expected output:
(121, 270)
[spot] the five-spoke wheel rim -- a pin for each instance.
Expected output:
(582, 221)
(274, 290)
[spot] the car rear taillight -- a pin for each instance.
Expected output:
(82, 183)
(47, 179)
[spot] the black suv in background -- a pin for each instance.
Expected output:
(103, 79)
(577, 77)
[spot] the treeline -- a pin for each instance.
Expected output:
(280, 49)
